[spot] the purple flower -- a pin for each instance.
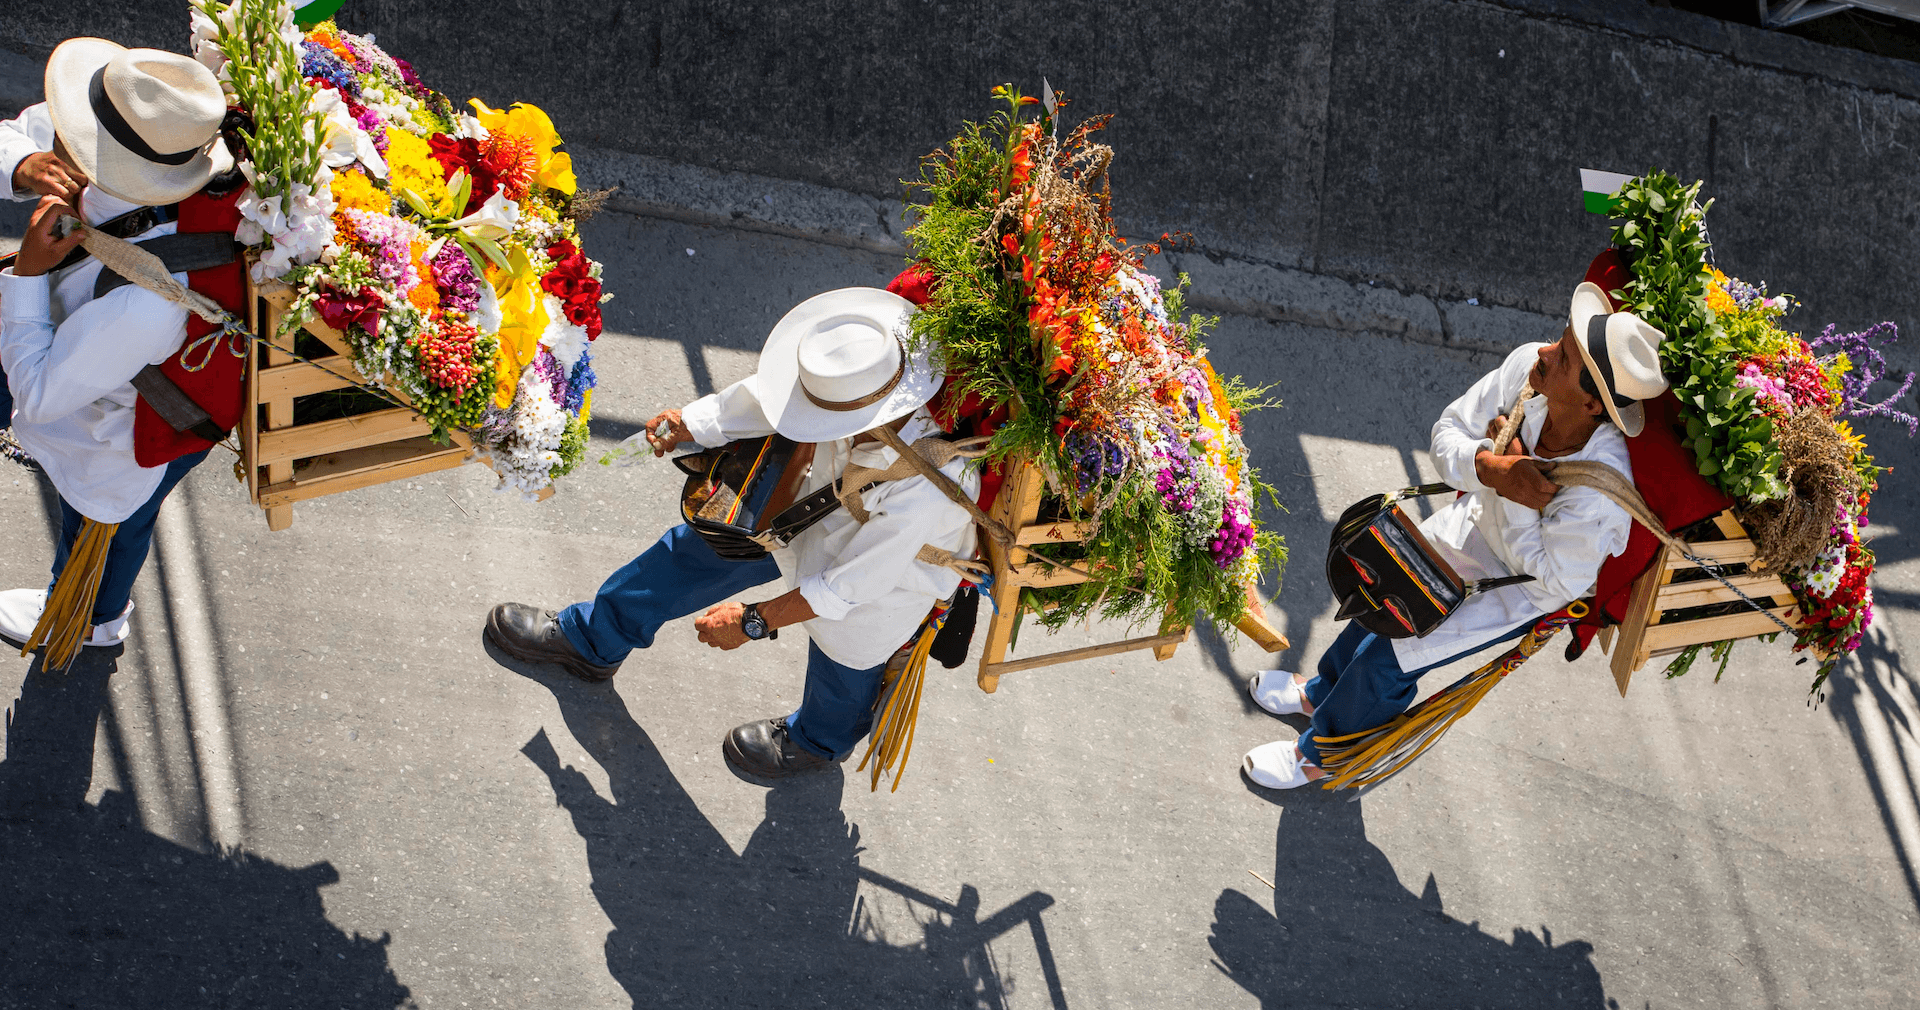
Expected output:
(1869, 367)
(453, 273)
(582, 380)
(317, 60)
(1235, 534)
(548, 369)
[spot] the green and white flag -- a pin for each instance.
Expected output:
(1600, 187)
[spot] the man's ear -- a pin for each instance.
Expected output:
(1594, 407)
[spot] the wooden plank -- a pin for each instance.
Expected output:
(1627, 657)
(1729, 526)
(1016, 507)
(288, 444)
(279, 412)
(1709, 591)
(1715, 629)
(1040, 575)
(1053, 533)
(349, 479)
(1606, 640)
(1720, 552)
(1089, 652)
(303, 379)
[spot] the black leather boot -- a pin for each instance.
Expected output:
(762, 749)
(533, 635)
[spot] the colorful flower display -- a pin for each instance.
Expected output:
(440, 240)
(1057, 340)
(1765, 412)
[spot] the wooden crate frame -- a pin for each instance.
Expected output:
(1646, 633)
(286, 462)
(1018, 509)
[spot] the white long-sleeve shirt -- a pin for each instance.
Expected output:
(70, 359)
(26, 133)
(1486, 536)
(868, 591)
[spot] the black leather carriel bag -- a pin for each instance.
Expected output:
(740, 497)
(1388, 577)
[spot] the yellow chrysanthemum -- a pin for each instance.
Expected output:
(1854, 442)
(552, 169)
(412, 166)
(352, 190)
(425, 295)
(586, 405)
(1718, 300)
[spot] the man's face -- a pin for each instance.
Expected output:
(1556, 375)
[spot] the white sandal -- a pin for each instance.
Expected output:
(1277, 691)
(1276, 765)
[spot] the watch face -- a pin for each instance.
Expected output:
(754, 625)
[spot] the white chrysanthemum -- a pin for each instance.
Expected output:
(564, 339)
(1823, 577)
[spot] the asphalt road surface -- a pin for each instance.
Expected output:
(307, 782)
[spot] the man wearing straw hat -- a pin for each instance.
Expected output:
(834, 371)
(1511, 520)
(123, 136)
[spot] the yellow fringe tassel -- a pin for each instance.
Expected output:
(892, 736)
(1373, 756)
(67, 620)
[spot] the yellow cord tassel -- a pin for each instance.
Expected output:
(67, 620)
(892, 736)
(1373, 756)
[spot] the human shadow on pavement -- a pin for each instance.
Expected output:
(1873, 695)
(1344, 932)
(95, 911)
(786, 921)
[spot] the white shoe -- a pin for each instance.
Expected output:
(1276, 765)
(20, 612)
(1277, 691)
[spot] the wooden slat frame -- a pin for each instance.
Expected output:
(1018, 508)
(287, 463)
(1645, 633)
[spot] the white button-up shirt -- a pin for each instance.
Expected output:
(70, 359)
(868, 592)
(1486, 536)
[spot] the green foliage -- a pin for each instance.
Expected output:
(573, 446)
(1663, 234)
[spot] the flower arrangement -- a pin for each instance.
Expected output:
(1057, 340)
(1765, 412)
(443, 242)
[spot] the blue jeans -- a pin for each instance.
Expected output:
(1360, 684)
(680, 576)
(128, 552)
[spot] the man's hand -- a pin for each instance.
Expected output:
(720, 626)
(676, 433)
(43, 172)
(1514, 448)
(1516, 478)
(39, 250)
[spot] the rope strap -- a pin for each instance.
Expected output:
(67, 621)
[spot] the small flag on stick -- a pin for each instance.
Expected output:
(1600, 187)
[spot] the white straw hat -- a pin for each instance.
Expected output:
(1622, 352)
(838, 364)
(143, 124)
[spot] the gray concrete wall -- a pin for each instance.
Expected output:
(1427, 146)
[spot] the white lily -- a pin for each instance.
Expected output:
(344, 142)
(495, 218)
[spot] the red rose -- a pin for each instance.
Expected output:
(572, 282)
(464, 153)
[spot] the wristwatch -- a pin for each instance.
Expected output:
(754, 626)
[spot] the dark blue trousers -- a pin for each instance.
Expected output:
(131, 542)
(680, 576)
(1360, 684)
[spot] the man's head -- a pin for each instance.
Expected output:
(142, 124)
(1604, 363)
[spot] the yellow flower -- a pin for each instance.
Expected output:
(552, 170)
(523, 318)
(352, 190)
(425, 295)
(1855, 442)
(1718, 300)
(586, 405)
(412, 166)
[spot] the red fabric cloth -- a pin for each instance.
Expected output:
(1666, 476)
(953, 411)
(220, 387)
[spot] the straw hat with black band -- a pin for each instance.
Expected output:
(839, 364)
(1622, 354)
(143, 124)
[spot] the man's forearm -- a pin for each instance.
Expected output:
(788, 608)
